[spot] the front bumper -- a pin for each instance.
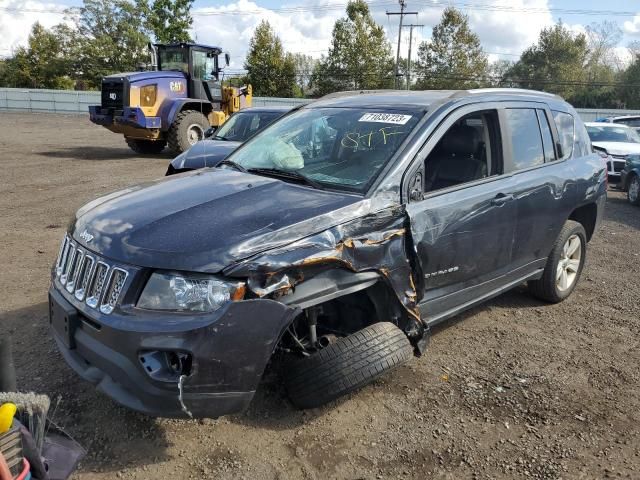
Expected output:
(130, 121)
(229, 350)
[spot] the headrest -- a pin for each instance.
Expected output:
(461, 140)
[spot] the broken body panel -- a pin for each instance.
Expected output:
(296, 247)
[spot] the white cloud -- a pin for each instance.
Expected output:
(632, 27)
(17, 17)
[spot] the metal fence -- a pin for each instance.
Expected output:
(65, 101)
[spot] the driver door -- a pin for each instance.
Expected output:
(463, 213)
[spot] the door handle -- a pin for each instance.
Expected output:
(501, 199)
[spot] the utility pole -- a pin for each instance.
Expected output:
(402, 13)
(409, 59)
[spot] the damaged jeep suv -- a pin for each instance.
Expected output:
(334, 239)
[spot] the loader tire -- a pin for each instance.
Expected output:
(346, 365)
(146, 147)
(187, 129)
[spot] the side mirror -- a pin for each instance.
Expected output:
(208, 133)
(227, 58)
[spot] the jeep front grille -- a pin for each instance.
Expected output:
(88, 277)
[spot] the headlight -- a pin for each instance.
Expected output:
(148, 95)
(189, 292)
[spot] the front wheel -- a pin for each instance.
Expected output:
(564, 265)
(349, 363)
(187, 129)
(633, 192)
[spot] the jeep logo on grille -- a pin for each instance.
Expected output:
(113, 96)
(86, 236)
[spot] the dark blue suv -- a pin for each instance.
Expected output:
(333, 239)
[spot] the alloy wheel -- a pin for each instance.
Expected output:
(569, 263)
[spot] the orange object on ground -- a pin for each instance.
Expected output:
(5, 474)
(25, 470)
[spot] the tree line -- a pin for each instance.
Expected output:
(109, 36)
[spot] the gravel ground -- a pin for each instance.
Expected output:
(511, 389)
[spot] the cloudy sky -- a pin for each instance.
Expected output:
(505, 27)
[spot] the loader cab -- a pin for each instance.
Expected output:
(199, 63)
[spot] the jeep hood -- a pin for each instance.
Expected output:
(207, 219)
(206, 153)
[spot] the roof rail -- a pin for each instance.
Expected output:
(514, 90)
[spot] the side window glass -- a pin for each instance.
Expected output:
(547, 138)
(526, 140)
(565, 126)
(467, 152)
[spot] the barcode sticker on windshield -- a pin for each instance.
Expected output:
(395, 118)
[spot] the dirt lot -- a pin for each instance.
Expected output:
(512, 389)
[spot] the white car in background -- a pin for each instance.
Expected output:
(615, 142)
(632, 121)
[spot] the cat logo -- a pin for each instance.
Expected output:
(176, 87)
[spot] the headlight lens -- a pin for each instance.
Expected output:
(148, 95)
(190, 293)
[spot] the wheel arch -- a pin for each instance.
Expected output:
(187, 104)
(587, 216)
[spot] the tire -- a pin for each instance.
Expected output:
(187, 128)
(146, 147)
(346, 365)
(633, 191)
(550, 287)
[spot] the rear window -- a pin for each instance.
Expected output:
(565, 126)
(526, 140)
(631, 122)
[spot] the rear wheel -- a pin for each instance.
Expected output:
(146, 147)
(564, 265)
(633, 192)
(187, 129)
(349, 363)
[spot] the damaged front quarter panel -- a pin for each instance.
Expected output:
(376, 242)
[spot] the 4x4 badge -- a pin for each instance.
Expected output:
(86, 236)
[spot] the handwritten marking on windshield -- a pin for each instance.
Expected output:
(357, 139)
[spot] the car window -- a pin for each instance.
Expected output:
(340, 148)
(468, 151)
(631, 122)
(547, 138)
(566, 131)
(611, 133)
(526, 140)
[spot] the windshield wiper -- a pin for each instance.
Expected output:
(217, 137)
(286, 174)
(232, 164)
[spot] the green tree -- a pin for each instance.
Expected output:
(555, 64)
(44, 62)
(359, 56)
(112, 39)
(270, 70)
(453, 58)
(168, 21)
(304, 66)
(629, 88)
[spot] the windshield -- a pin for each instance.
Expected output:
(612, 134)
(341, 148)
(242, 125)
(173, 59)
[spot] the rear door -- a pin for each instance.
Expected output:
(544, 185)
(462, 212)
